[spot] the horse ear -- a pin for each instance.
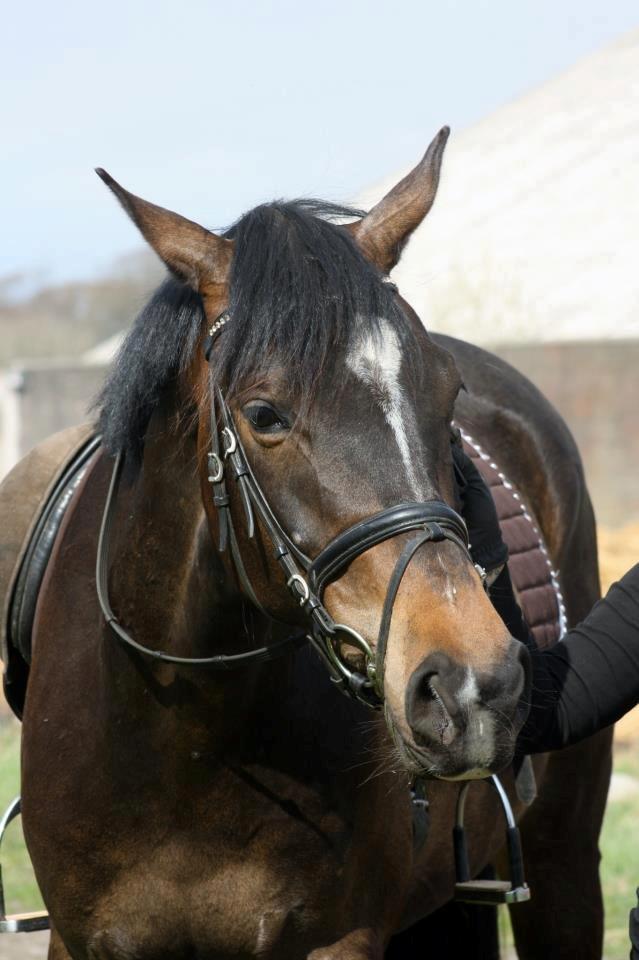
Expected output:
(383, 232)
(192, 253)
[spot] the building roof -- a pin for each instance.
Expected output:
(535, 231)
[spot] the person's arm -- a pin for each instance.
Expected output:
(591, 677)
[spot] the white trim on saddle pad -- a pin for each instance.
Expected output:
(553, 575)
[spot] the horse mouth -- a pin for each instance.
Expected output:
(416, 760)
(439, 764)
(420, 763)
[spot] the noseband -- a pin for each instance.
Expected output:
(306, 579)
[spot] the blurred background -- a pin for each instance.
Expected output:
(211, 108)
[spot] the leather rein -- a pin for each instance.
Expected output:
(306, 579)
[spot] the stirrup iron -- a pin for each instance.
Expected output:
(19, 922)
(489, 892)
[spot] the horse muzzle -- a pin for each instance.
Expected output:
(464, 724)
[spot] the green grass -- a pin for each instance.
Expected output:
(619, 844)
(619, 848)
(620, 858)
(20, 888)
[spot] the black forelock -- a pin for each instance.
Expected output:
(157, 348)
(299, 290)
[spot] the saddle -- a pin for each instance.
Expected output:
(35, 496)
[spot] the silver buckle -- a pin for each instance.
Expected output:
(232, 442)
(299, 580)
(216, 468)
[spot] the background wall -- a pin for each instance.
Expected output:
(40, 399)
(592, 384)
(594, 387)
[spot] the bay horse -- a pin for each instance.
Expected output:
(194, 782)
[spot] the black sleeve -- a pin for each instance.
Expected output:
(589, 679)
(480, 514)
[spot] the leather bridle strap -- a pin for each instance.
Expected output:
(216, 474)
(305, 579)
(432, 532)
(435, 521)
(221, 661)
(382, 526)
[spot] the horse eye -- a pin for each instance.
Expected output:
(264, 418)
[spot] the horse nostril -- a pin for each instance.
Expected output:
(444, 695)
(431, 707)
(426, 688)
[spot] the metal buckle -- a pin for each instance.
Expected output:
(297, 579)
(355, 681)
(483, 576)
(216, 468)
(232, 442)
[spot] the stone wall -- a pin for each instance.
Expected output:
(37, 400)
(595, 387)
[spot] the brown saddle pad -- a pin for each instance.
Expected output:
(531, 570)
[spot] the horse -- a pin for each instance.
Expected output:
(284, 629)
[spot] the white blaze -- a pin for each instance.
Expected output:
(376, 360)
(468, 694)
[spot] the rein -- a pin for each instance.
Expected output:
(226, 661)
(306, 579)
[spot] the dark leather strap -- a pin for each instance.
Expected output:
(219, 661)
(404, 559)
(243, 468)
(34, 564)
(382, 526)
(216, 474)
(437, 520)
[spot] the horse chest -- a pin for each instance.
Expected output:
(220, 899)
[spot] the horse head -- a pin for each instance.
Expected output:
(325, 384)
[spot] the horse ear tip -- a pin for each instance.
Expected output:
(436, 147)
(104, 176)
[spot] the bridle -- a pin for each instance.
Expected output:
(306, 579)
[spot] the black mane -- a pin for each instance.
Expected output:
(299, 288)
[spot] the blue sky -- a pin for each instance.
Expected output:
(210, 108)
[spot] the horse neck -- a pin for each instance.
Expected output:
(169, 589)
